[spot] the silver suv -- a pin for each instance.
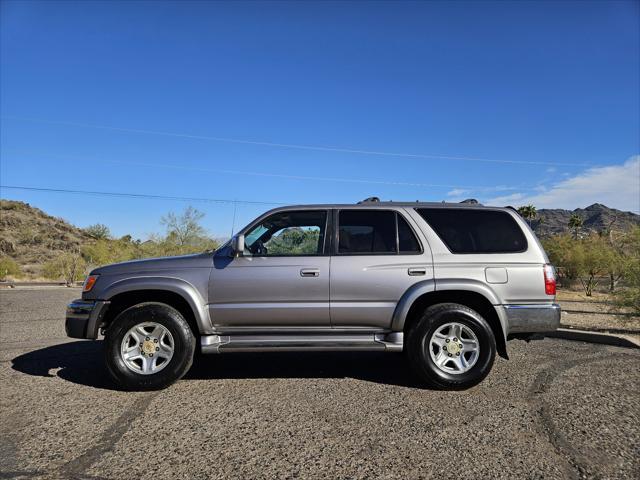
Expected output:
(448, 284)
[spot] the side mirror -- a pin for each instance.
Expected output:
(237, 245)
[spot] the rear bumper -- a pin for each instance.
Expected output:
(532, 318)
(84, 318)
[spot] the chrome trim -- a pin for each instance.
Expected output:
(297, 342)
(294, 329)
(393, 341)
(532, 318)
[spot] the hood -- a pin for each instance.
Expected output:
(199, 260)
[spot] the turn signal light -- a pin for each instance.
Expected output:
(89, 282)
(549, 280)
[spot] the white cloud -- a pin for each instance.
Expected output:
(616, 186)
(456, 192)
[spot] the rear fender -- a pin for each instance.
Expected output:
(418, 289)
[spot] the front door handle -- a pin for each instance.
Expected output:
(310, 272)
(415, 271)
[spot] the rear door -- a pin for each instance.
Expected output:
(378, 254)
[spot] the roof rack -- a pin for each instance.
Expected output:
(369, 200)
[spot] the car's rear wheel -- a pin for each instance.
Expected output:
(451, 346)
(149, 346)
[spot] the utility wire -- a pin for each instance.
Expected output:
(137, 195)
(484, 188)
(298, 146)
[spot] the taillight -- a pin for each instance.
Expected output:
(549, 280)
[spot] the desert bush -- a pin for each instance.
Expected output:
(98, 231)
(69, 266)
(8, 266)
(586, 259)
(629, 297)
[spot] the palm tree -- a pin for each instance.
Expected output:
(575, 224)
(528, 212)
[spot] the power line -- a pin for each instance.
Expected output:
(138, 195)
(485, 188)
(298, 146)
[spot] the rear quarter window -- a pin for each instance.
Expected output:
(475, 231)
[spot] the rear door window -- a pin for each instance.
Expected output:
(362, 232)
(475, 231)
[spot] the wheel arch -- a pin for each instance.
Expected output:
(176, 293)
(474, 295)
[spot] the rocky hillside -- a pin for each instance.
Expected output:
(596, 217)
(32, 238)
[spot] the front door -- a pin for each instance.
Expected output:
(282, 280)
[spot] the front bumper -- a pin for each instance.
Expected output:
(532, 318)
(84, 318)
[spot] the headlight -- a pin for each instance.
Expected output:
(89, 282)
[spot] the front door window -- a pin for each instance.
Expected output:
(293, 233)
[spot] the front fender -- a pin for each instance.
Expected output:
(172, 284)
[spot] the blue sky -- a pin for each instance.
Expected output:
(507, 102)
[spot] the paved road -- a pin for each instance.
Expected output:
(556, 409)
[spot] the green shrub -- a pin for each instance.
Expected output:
(8, 266)
(69, 266)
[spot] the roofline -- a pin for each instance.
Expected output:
(369, 205)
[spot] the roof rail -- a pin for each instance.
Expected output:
(369, 200)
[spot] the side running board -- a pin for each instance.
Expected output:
(300, 342)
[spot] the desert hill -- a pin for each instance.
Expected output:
(596, 217)
(32, 238)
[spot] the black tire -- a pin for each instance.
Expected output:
(184, 344)
(418, 345)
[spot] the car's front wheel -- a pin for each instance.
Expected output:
(451, 346)
(149, 346)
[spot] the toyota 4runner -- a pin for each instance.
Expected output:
(448, 284)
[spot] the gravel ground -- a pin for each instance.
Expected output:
(556, 409)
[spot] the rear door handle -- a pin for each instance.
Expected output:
(310, 272)
(415, 271)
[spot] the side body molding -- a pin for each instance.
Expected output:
(171, 284)
(427, 286)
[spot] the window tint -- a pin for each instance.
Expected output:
(288, 233)
(407, 241)
(475, 231)
(367, 231)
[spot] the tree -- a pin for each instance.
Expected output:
(585, 259)
(575, 224)
(69, 266)
(528, 212)
(629, 296)
(98, 231)
(184, 229)
(620, 248)
(294, 241)
(8, 266)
